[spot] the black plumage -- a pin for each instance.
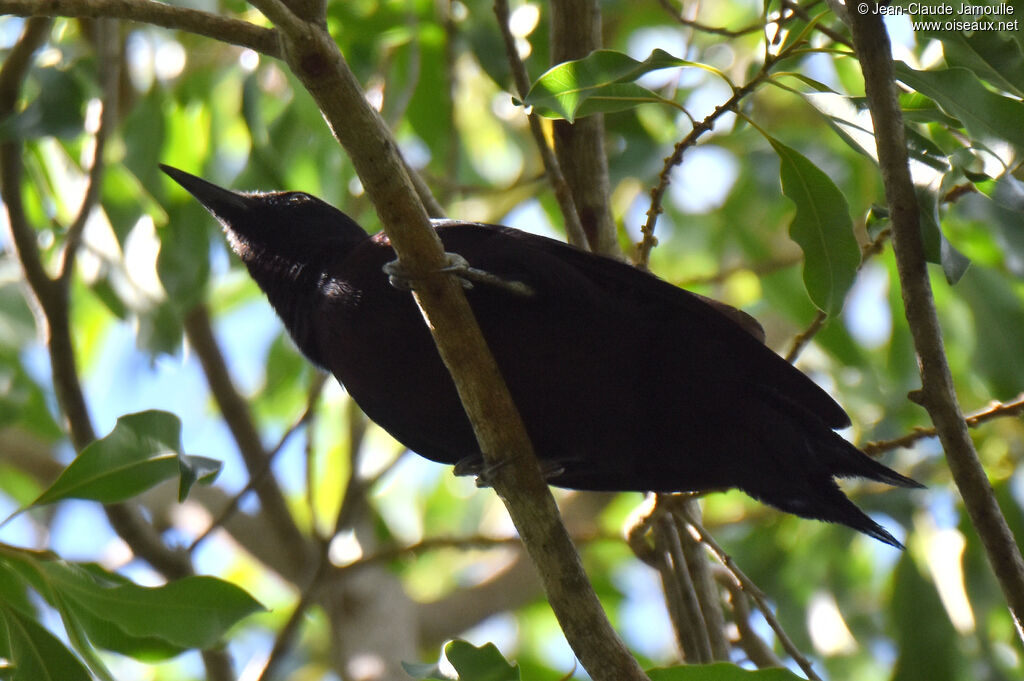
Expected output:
(624, 381)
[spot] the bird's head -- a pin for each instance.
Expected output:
(274, 229)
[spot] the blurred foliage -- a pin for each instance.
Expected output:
(438, 74)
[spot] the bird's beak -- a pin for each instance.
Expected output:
(226, 205)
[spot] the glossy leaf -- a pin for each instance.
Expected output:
(142, 450)
(937, 248)
(983, 113)
(194, 612)
(721, 671)
(998, 313)
(484, 663)
(600, 82)
(992, 56)
(822, 227)
(36, 654)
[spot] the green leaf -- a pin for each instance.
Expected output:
(998, 313)
(485, 663)
(938, 249)
(193, 469)
(992, 56)
(822, 227)
(36, 654)
(142, 450)
(959, 92)
(194, 612)
(720, 671)
(603, 76)
(159, 328)
(183, 263)
(926, 639)
(57, 111)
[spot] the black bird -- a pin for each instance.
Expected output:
(624, 381)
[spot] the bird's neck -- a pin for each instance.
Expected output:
(292, 289)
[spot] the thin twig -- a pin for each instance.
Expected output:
(708, 595)
(573, 227)
(755, 593)
(229, 510)
(705, 28)
(680, 594)
(761, 268)
(649, 241)
(868, 251)
(109, 61)
(286, 637)
(824, 30)
(759, 652)
(238, 417)
(233, 31)
(938, 393)
(803, 338)
(994, 410)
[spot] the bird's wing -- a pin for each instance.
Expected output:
(730, 333)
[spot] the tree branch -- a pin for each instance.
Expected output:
(315, 59)
(51, 298)
(109, 60)
(994, 410)
(236, 414)
(234, 31)
(699, 567)
(575, 33)
(677, 15)
(937, 393)
(680, 596)
(574, 231)
(649, 241)
(759, 652)
(755, 593)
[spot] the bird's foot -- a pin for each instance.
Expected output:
(459, 266)
(475, 465)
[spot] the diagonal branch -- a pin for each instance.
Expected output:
(1014, 407)
(235, 410)
(580, 146)
(752, 590)
(109, 45)
(316, 61)
(234, 31)
(51, 299)
(937, 393)
(563, 194)
(649, 241)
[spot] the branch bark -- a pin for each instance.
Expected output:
(215, 26)
(575, 33)
(51, 299)
(239, 420)
(316, 60)
(563, 192)
(937, 393)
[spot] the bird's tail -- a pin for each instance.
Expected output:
(850, 462)
(828, 503)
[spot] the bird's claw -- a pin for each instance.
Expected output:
(399, 278)
(459, 266)
(484, 472)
